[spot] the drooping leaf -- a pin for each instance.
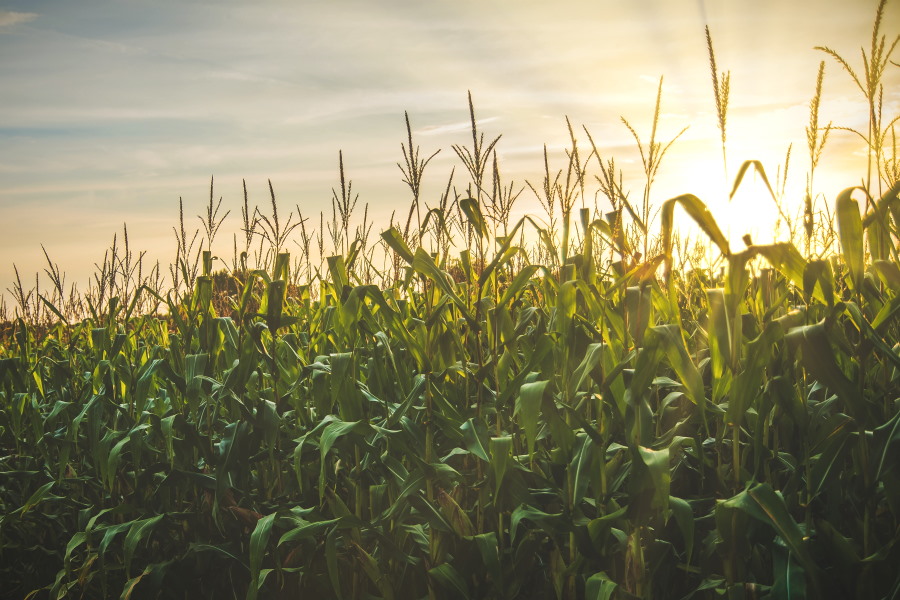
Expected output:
(394, 239)
(138, 531)
(476, 438)
(473, 214)
(698, 211)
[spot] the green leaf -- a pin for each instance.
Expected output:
(74, 542)
(35, 498)
(306, 530)
(370, 566)
(580, 466)
(143, 383)
(889, 273)
(778, 516)
(470, 208)
(109, 534)
(450, 579)
(490, 556)
(850, 230)
(888, 436)
(53, 309)
(657, 464)
(259, 539)
(138, 531)
(455, 515)
(718, 331)
(155, 572)
(831, 456)
(886, 315)
(338, 271)
(501, 449)
(599, 587)
(334, 431)
(195, 548)
(519, 281)
(666, 340)
(593, 358)
(503, 255)
(889, 201)
(818, 358)
(343, 386)
(638, 309)
(744, 391)
(757, 165)
(424, 264)
(394, 239)
(697, 210)
(528, 407)
(877, 223)
(548, 522)
(331, 561)
(785, 257)
(684, 518)
(819, 276)
(790, 580)
(566, 304)
(868, 330)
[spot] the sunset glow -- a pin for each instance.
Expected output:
(112, 111)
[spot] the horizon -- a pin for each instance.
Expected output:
(107, 118)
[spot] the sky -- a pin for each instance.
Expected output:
(110, 111)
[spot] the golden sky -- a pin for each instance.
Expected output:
(112, 110)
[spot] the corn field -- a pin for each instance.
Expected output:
(567, 408)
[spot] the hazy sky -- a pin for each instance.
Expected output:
(109, 111)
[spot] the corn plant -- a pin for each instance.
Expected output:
(541, 417)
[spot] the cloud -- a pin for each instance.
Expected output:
(9, 18)
(452, 127)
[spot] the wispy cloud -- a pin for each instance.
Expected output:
(9, 18)
(453, 127)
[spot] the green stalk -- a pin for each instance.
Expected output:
(429, 436)
(865, 466)
(736, 454)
